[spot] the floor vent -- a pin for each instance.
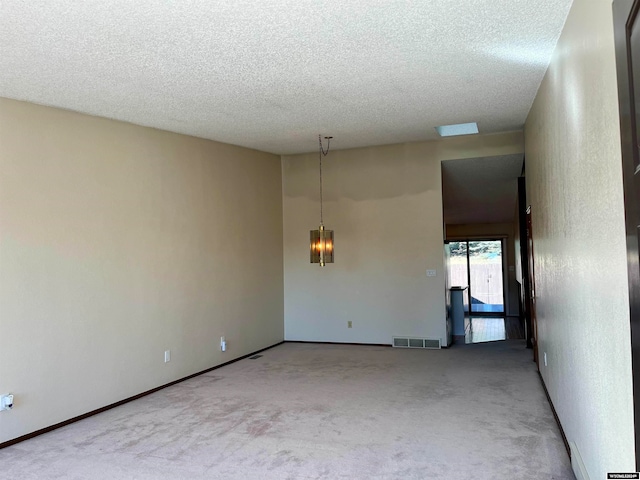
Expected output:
(413, 342)
(254, 357)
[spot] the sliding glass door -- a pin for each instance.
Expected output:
(478, 265)
(485, 276)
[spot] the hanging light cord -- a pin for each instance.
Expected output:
(322, 153)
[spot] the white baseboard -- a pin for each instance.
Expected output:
(577, 464)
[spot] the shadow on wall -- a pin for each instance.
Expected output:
(343, 176)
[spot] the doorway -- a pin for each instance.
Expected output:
(479, 265)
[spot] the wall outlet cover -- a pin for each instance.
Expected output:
(6, 402)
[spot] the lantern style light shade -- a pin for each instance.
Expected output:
(321, 246)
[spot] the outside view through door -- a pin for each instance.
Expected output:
(478, 265)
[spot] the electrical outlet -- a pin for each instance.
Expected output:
(6, 402)
(431, 273)
(545, 359)
(349, 324)
(167, 356)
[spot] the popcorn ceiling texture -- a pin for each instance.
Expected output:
(272, 75)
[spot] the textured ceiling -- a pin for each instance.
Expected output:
(273, 74)
(481, 190)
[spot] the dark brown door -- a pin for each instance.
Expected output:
(531, 284)
(525, 288)
(627, 38)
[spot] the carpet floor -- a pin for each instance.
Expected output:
(314, 411)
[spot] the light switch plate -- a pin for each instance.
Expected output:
(431, 273)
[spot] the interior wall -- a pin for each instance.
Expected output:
(574, 185)
(385, 206)
(504, 230)
(118, 242)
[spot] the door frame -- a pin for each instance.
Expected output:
(623, 12)
(525, 289)
(531, 286)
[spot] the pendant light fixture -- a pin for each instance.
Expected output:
(321, 240)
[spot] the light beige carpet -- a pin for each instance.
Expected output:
(306, 411)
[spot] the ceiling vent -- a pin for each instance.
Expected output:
(458, 129)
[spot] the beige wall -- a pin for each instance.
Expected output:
(574, 184)
(385, 205)
(495, 230)
(118, 242)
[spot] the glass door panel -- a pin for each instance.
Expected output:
(485, 276)
(458, 264)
